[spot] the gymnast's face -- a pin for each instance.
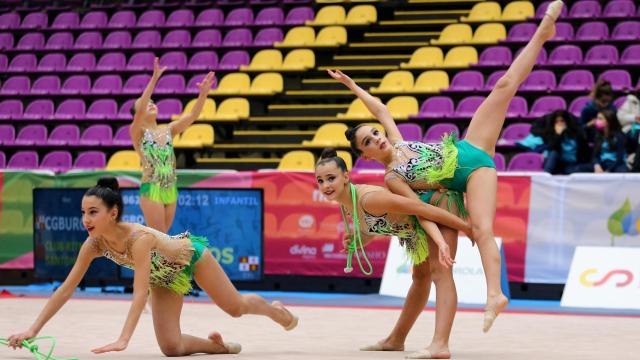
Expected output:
(152, 108)
(332, 181)
(372, 143)
(96, 217)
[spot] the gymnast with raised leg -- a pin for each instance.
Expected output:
(464, 166)
(163, 264)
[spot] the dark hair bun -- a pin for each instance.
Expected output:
(109, 182)
(328, 153)
(350, 133)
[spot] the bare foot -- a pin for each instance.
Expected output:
(495, 305)
(287, 320)
(547, 26)
(225, 348)
(430, 353)
(383, 345)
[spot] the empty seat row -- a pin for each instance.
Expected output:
(58, 161)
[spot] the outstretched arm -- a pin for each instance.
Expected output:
(186, 120)
(375, 106)
(60, 296)
(143, 100)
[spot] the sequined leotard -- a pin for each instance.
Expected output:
(158, 166)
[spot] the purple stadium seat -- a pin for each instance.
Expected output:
(436, 107)
(52, 62)
(565, 55)
(207, 38)
(38, 110)
(59, 41)
(362, 164)
(100, 134)
(177, 38)
(117, 40)
(106, 84)
(89, 40)
(299, 15)
(125, 110)
(542, 56)
(602, 55)
(578, 104)
(521, 32)
(151, 18)
(585, 9)
(9, 21)
(619, 79)
(88, 160)
(435, 132)
(192, 86)
(468, 106)
(180, 18)
(6, 41)
(4, 62)
(239, 17)
(141, 61)
(23, 160)
(76, 84)
(266, 37)
(57, 161)
(542, 8)
(66, 20)
(136, 84)
(564, 32)
(517, 107)
(513, 133)
(32, 135)
(210, 17)
(174, 60)
(270, 16)
(147, 39)
(631, 55)
(619, 8)
(70, 109)
(619, 101)
(93, 20)
(82, 62)
(47, 84)
(31, 41)
(11, 109)
(576, 80)
(122, 136)
(7, 134)
(468, 80)
(233, 59)
(547, 104)
(593, 31)
(410, 132)
(168, 107)
(112, 61)
(540, 80)
(35, 20)
(16, 85)
(64, 135)
(170, 84)
(240, 37)
(626, 30)
(23, 62)
(495, 56)
(203, 60)
(500, 162)
(528, 161)
(102, 109)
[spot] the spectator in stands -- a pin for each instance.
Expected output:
(629, 112)
(610, 151)
(567, 149)
(601, 98)
(633, 148)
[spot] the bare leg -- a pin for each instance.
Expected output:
(169, 214)
(153, 213)
(486, 124)
(167, 307)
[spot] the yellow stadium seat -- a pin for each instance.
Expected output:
(299, 59)
(232, 109)
(489, 33)
(299, 36)
(394, 82)
(331, 134)
(331, 36)
(329, 15)
(484, 11)
(124, 160)
(297, 160)
(346, 156)
(518, 10)
(362, 15)
(267, 83)
(233, 83)
(267, 59)
(461, 56)
(454, 34)
(208, 110)
(424, 57)
(196, 136)
(401, 107)
(431, 81)
(356, 110)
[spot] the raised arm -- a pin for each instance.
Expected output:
(375, 106)
(60, 296)
(185, 120)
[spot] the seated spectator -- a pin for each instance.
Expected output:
(633, 146)
(566, 144)
(601, 98)
(609, 153)
(629, 112)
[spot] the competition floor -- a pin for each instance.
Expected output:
(332, 326)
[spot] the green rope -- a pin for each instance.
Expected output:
(33, 348)
(356, 237)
